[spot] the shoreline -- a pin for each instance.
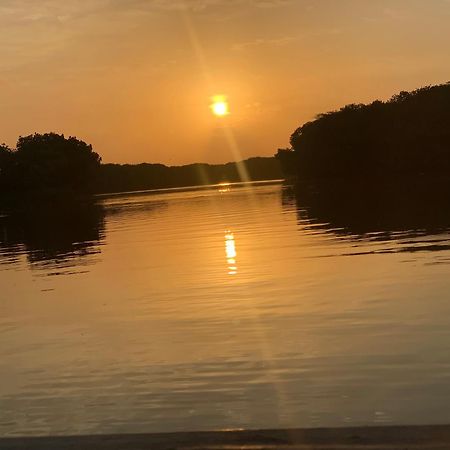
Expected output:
(429, 437)
(196, 187)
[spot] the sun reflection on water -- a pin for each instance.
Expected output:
(224, 187)
(230, 251)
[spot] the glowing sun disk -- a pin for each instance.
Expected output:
(219, 105)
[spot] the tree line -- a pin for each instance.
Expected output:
(52, 162)
(408, 134)
(132, 177)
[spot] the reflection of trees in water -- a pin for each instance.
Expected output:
(62, 232)
(53, 232)
(358, 209)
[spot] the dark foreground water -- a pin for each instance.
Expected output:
(259, 306)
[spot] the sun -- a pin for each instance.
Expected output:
(219, 106)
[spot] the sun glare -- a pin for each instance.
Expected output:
(219, 106)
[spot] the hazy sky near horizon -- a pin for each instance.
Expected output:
(134, 77)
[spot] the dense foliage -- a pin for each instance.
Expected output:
(48, 161)
(409, 134)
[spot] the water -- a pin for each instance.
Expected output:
(256, 306)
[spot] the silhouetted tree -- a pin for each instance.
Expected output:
(287, 159)
(52, 161)
(409, 134)
(6, 161)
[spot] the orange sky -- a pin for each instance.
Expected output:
(135, 77)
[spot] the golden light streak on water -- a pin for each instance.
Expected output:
(230, 251)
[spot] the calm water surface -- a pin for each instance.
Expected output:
(254, 306)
